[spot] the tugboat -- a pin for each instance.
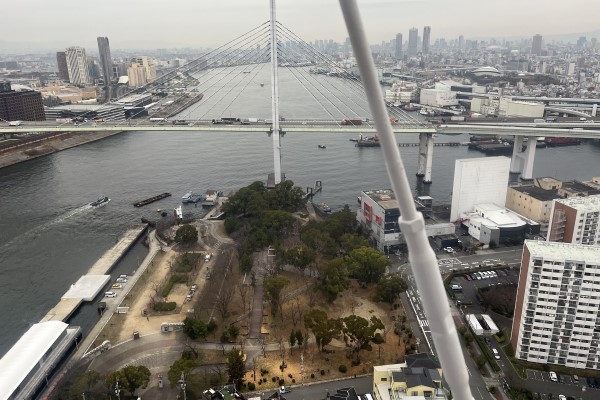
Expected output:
(321, 146)
(322, 209)
(186, 198)
(100, 202)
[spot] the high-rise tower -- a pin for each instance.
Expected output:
(398, 50)
(77, 66)
(105, 59)
(426, 39)
(63, 70)
(536, 45)
(413, 38)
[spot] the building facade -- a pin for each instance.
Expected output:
(77, 66)
(557, 307)
(575, 220)
(146, 63)
(105, 60)
(478, 181)
(63, 70)
(24, 105)
(137, 75)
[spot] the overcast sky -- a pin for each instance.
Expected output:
(210, 23)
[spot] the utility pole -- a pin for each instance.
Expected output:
(275, 132)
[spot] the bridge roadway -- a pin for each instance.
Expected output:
(582, 130)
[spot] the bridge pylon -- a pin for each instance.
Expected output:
(276, 131)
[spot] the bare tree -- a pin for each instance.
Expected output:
(223, 301)
(296, 312)
(243, 290)
(254, 364)
(312, 298)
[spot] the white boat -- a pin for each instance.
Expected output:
(102, 200)
(179, 212)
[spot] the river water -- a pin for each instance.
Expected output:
(49, 237)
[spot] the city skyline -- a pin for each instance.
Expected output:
(200, 26)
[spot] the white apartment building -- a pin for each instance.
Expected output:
(556, 317)
(575, 220)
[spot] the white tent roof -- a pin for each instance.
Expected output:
(26, 353)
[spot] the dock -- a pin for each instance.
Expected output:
(89, 285)
(311, 192)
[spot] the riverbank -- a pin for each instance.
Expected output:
(51, 145)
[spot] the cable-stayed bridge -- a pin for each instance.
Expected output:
(244, 86)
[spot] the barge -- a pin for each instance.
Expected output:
(151, 200)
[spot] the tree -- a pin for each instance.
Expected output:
(186, 234)
(351, 241)
(84, 383)
(273, 286)
(182, 365)
(324, 328)
(246, 262)
(299, 337)
(359, 332)
(194, 328)
(300, 256)
(367, 264)
(236, 367)
(390, 287)
(333, 278)
(130, 378)
(223, 301)
(292, 340)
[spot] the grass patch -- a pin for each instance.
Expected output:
(488, 353)
(177, 278)
(508, 350)
(168, 306)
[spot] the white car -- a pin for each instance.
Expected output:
(561, 397)
(449, 250)
(110, 294)
(496, 355)
(553, 376)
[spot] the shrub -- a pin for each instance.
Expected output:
(274, 379)
(343, 369)
(322, 372)
(281, 382)
(211, 326)
(312, 376)
(356, 362)
(251, 386)
(170, 306)
(290, 376)
(293, 381)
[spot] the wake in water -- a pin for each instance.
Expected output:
(36, 231)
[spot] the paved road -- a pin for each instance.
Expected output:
(318, 391)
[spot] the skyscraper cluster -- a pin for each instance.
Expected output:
(413, 42)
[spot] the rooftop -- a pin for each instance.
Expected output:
(537, 192)
(21, 359)
(558, 251)
(494, 216)
(588, 203)
(384, 197)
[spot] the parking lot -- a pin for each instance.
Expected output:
(473, 280)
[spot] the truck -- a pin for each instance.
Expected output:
(354, 122)
(457, 118)
(158, 120)
(539, 121)
(248, 121)
(15, 123)
(64, 120)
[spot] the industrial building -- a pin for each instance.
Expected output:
(478, 181)
(506, 107)
(107, 112)
(20, 105)
(379, 213)
(418, 378)
(555, 319)
(438, 98)
(575, 220)
(30, 362)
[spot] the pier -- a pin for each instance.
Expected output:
(89, 285)
(311, 192)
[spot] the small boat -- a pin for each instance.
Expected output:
(187, 197)
(262, 84)
(101, 201)
(322, 146)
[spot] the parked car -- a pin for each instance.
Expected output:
(121, 280)
(553, 376)
(116, 286)
(110, 294)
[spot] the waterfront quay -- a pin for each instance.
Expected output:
(89, 285)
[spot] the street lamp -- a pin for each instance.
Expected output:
(117, 389)
(182, 383)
